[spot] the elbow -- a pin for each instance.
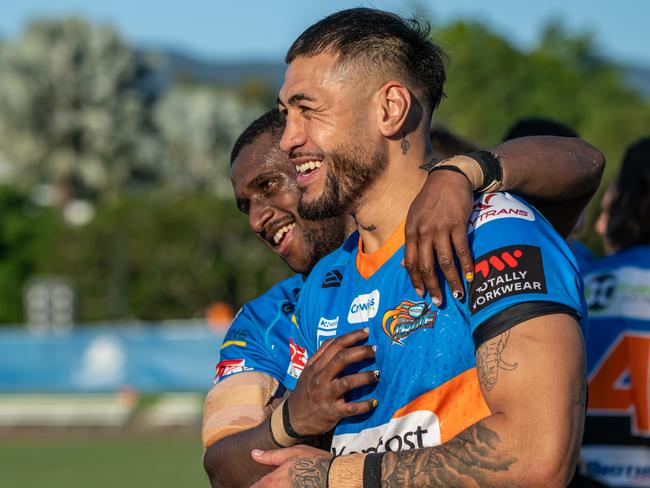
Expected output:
(211, 466)
(552, 467)
(595, 167)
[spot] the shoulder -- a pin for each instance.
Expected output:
(328, 272)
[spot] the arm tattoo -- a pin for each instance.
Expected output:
(405, 145)
(489, 359)
(469, 459)
(582, 395)
(309, 473)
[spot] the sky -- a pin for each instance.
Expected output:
(262, 30)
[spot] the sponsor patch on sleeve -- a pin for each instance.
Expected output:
(494, 206)
(231, 366)
(504, 272)
(298, 359)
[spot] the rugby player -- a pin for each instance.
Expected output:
(255, 353)
(616, 447)
(359, 92)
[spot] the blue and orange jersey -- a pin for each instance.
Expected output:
(429, 391)
(616, 447)
(258, 337)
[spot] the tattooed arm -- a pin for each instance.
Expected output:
(532, 378)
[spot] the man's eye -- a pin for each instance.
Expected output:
(268, 186)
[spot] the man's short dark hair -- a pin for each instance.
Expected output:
(538, 126)
(272, 122)
(629, 210)
(378, 39)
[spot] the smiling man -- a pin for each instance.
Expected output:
(482, 386)
(255, 354)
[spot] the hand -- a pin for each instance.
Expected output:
(317, 404)
(436, 225)
(297, 466)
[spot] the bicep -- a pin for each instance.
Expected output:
(532, 378)
(238, 403)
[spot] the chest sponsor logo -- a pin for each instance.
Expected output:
(401, 321)
(494, 206)
(364, 307)
(332, 279)
(326, 329)
(298, 359)
(231, 366)
(504, 272)
(412, 431)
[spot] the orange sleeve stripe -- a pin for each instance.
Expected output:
(458, 403)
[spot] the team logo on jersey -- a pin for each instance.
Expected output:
(504, 272)
(493, 206)
(599, 290)
(406, 318)
(231, 366)
(332, 279)
(298, 359)
(364, 307)
(326, 329)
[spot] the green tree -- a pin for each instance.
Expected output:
(74, 108)
(163, 255)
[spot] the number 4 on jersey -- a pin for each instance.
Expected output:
(619, 385)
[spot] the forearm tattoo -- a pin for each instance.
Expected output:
(489, 360)
(309, 473)
(469, 459)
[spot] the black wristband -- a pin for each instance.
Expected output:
(372, 470)
(491, 166)
(287, 423)
(449, 168)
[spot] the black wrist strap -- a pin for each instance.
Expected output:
(491, 166)
(372, 470)
(287, 423)
(454, 169)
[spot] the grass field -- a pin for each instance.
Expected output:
(161, 461)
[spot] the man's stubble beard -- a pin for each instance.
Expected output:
(351, 173)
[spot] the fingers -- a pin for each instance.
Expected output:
(459, 238)
(332, 347)
(345, 358)
(274, 457)
(426, 268)
(445, 256)
(352, 381)
(411, 259)
(357, 408)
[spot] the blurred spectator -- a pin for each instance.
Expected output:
(616, 449)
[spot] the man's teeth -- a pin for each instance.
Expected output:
(280, 233)
(304, 167)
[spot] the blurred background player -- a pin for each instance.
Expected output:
(616, 447)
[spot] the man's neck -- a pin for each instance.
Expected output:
(385, 205)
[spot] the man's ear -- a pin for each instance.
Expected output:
(394, 107)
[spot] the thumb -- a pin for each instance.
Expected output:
(272, 458)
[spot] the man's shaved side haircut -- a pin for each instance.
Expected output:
(272, 122)
(379, 40)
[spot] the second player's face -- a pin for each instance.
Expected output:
(264, 181)
(329, 135)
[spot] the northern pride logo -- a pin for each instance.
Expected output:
(504, 272)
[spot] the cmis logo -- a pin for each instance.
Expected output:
(405, 319)
(364, 307)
